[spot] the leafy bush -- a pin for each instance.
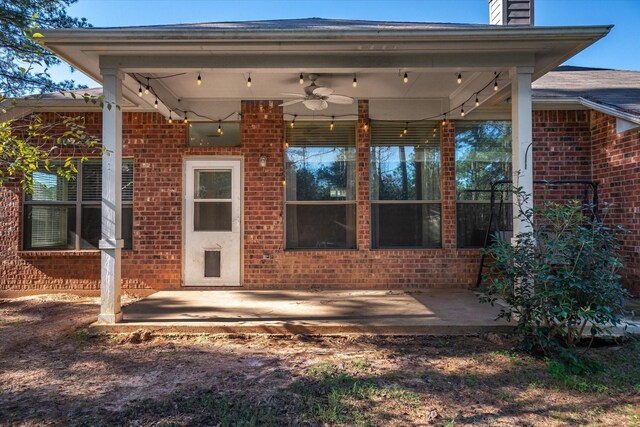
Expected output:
(560, 281)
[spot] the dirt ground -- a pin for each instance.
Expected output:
(53, 372)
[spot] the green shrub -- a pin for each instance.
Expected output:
(560, 280)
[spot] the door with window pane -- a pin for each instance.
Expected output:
(212, 223)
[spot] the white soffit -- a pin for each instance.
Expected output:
(407, 109)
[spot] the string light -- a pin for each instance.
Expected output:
(444, 120)
(293, 122)
(477, 101)
(459, 78)
(495, 84)
(462, 111)
(405, 78)
(155, 104)
(186, 118)
(355, 81)
(199, 80)
(331, 124)
(249, 80)
(170, 118)
(365, 126)
(146, 89)
(140, 91)
(406, 128)
(219, 127)
(301, 79)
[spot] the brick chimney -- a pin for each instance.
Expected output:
(511, 12)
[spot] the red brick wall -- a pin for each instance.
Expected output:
(562, 149)
(616, 166)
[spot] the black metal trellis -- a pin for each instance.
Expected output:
(550, 183)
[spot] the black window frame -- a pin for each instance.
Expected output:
(78, 204)
(392, 134)
(477, 200)
(324, 135)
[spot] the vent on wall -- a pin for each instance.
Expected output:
(511, 12)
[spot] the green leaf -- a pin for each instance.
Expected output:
(37, 35)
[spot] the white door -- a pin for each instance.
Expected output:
(212, 223)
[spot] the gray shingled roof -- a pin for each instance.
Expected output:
(306, 24)
(618, 89)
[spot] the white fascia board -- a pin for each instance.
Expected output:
(198, 36)
(610, 110)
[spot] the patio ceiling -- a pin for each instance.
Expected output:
(275, 55)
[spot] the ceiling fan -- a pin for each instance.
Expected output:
(317, 98)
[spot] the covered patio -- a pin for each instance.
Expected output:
(402, 72)
(431, 312)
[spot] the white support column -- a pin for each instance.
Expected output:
(111, 243)
(522, 137)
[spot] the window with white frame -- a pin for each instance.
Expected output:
(64, 214)
(320, 190)
(483, 156)
(405, 185)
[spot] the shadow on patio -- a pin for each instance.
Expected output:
(312, 312)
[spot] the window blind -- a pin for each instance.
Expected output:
(318, 133)
(425, 132)
(92, 180)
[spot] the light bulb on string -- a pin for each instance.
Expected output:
(170, 118)
(186, 118)
(155, 104)
(249, 80)
(301, 79)
(355, 81)
(219, 127)
(140, 91)
(444, 120)
(462, 111)
(459, 78)
(293, 122)
(199, 80)
(405, 78)
(365, 126)
(331, 124)
(147, 88)
(406, 128)
(477, 101)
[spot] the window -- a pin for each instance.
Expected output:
(320, 186)
(483, 156)
(405, 185)
(66, 215)
(214, 134)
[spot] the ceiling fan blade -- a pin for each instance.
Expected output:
(322, 91)
(295, 101)
(325, 105)
(297, 95)
(340, 99)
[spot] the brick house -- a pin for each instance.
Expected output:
(210, 182)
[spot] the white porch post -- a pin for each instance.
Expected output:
(522, 136)
(111, 243)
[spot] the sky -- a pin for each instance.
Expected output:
(619, 50)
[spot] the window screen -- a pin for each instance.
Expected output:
(66, 214)
(483, 156)
(405, 185)
(320, 186)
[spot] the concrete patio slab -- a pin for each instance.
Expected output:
(433, 312)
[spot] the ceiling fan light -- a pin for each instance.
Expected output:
(314, 104)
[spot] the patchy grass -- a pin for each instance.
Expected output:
(52, 371)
